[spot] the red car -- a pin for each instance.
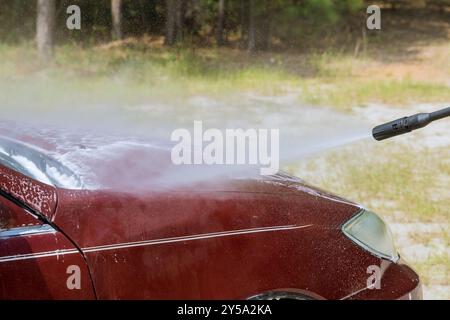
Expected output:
(84, 217)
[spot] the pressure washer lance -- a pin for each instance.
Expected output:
(407, 124)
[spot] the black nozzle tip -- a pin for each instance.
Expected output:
(391, 129)
(401, 126)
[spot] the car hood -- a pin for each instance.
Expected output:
(119, 164)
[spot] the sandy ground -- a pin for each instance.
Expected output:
(414, 251)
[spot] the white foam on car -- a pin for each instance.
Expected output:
(79, 160)
(3, 151)
(32, 169)
(51, 173)
(67, 181)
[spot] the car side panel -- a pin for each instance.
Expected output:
(40, 266)
(35, 258)
(213, 245)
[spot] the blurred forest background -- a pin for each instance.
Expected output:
(215, 45)
(250, 24)
(247, 24)
(175, 59)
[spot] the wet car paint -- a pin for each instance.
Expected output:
(35, 259)
(221, 240)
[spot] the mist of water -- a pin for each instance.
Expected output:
(87, 138)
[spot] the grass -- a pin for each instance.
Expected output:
(435, 270)
(349, 93)
(391, 179)
(439, 264)
(130, 72)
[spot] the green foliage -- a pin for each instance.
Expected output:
(17, 20)
(143, 16)
(330, 11)
(285, 22)
(322, 10)
(294, 23)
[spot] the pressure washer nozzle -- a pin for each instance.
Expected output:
(407, 124)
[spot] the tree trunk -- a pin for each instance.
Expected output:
(220, 22)
(180, 11)
(116, 13)
(263, 32)
(45, 25)
(259, 25)
(143, 15)
(243, 20)
(175, 12)
(251, 26)
(170, 22)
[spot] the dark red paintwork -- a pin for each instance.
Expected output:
(193, 241)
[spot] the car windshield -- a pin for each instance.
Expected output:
(37, 165)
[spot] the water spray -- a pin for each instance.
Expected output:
(408, 124)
